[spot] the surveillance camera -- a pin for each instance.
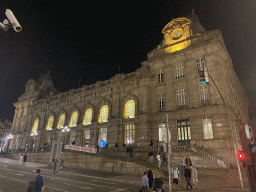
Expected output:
(15, 24)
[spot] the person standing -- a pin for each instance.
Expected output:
(150, 154)
(158, 183)
(127, 152)
(150, 179)
(188, 161)
(39, 183)
(21, 159)
(130, 151)
(187, 174)
(183, 164)
(25, 159)
(176, 178)
(196, 144)
(144, 182)
(158, 157)
(194, 178)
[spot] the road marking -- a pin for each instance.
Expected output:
(104, 182)
(78, 186)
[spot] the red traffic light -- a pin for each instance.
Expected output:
(240, 156)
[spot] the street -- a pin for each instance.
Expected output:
(15, 178)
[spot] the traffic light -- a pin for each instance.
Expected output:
(240, 156)
(204, 75)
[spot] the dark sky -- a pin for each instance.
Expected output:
(92, 39)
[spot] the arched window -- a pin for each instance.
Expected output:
(129, 109)
(73, 119)
(103, 116)
(87, 117)
(49, 123)
(61, 121)
(35, 126)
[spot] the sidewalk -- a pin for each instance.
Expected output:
(16, 162)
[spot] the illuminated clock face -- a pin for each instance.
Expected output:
(177, 34)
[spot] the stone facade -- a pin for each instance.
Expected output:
(167, 83)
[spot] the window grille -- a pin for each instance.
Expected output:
(49, 123)
(207, 126)
(129, 134)
(203, 92)
(160, 76)
(161, 100)
(200, 63)
(181, 97)
(103, 117)
(179, 71)
(87, 117)
(129, 109)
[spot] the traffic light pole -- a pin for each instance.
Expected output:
(232, 132)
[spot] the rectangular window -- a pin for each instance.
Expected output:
(181, 97)
(86, 138)
(184, 135)
(129, 134)
(207, 126)
(203, 92)
(161, 130)
(200, 63)
(161, 101)
(160, 76)
(47, 139)
(71, 137)
(102, 140)
(179, 71)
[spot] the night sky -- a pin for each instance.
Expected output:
(94, 39)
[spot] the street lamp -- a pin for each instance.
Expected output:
(33, 134)
(65, 130)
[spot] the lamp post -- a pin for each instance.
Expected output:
(65, 130)
(33, 134)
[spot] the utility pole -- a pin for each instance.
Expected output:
(169, 153)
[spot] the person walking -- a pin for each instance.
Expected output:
(21, 159)
(194, 178)
(39, 183)
(176, 178)
(150, 179)
(158, 157)
(158, 183)
(144, 182)
(24, 159)
(188, 161)
(183, 164)
(187, 174)
(150, 154)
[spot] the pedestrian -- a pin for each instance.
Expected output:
(151, 143)
(158, 146)
(194, 178)
(39, 183)
(144, 182)
(158, 157)
(21, 159)
(188, 161)
(116, 145)
(176, 178)
(73, 142)
(150, 179)
(130, 152)
(158, 183)
(202, 148)
(196, 144)
(183, 164)
(127, 152)
(25, 159)
(150, 154)
(187, 174)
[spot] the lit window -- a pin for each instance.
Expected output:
(161, 101)
(129, 134)
(181, 97)
(160, 76)
(73, 119)
(86, 138)
(203, 92)
(35, 126)
(88, 117)
(49, 123)
(179, 71)
(102, 141)
(61, 121)
(103, 116)
(207, 126)
(129, 109)
(71, 137)
(161, 130)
